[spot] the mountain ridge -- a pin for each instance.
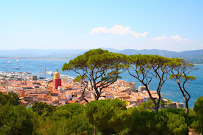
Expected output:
(195, 56)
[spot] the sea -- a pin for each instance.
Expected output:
(170, 89)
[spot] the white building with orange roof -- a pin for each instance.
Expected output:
(4, 91)
(40, 97)
(63, 100)
(132, 102)
(122, 95)
(68, 95)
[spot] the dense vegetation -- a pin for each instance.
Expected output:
(107, 116)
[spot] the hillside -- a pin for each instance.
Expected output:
(195, 56)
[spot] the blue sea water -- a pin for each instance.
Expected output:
(170, 89)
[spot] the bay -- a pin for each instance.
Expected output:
(170, 89)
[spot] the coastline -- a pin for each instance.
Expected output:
(198, 64)
(37, 66)
(35, 58)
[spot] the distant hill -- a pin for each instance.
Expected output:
(40, 53)
(195, 56)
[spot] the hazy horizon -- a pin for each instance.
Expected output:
(163, 25)
(93, 48)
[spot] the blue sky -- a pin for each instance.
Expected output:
(175, 25)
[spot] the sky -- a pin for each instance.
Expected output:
(175, 25)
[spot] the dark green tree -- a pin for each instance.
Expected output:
(100, 68)
(47, 127)
(60, 114)
(11, 98)
(79, 124)
(147, 122)
(43, 108)
(198, 122)
(74, 108)
(176, 124)
(108, 116)
(68, 111)
(17, 120)
(147, 67)
(70, 119)
(180, 73)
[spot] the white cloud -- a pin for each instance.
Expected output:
(160, 38)
(137, 35)
(100, 30)
(118, 30)
(177, 37)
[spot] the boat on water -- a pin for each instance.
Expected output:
(16, 67)
(17, 60)
(50, 73)
(3, 66)
(9, 61)
(29, 72)
(20, 65)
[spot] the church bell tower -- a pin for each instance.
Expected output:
(57, 80)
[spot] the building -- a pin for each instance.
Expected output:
(34, 78)
(56, 80)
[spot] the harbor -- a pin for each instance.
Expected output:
(36, 67)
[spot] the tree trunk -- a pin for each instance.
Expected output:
(95, 131)
(186, 106)
(96, 98)
(84, 91)
(156, 108)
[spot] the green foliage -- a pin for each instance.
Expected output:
(60, 114)
(198, 108)
(146, 68)
(180, 73)
(146, 122)
(46, 127)
(70, 119)
(68, 111)
(181, 111)
(197, 124)
(178, 76)
(74, 108)
(79, 78)
(96, 58)
(109, 116)
(16, 120)
(11, 98)
(176, 124)
(43, 108)
(79, 124)
(100, 67)
(147, 105)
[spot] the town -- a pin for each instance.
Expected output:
(63, 90)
